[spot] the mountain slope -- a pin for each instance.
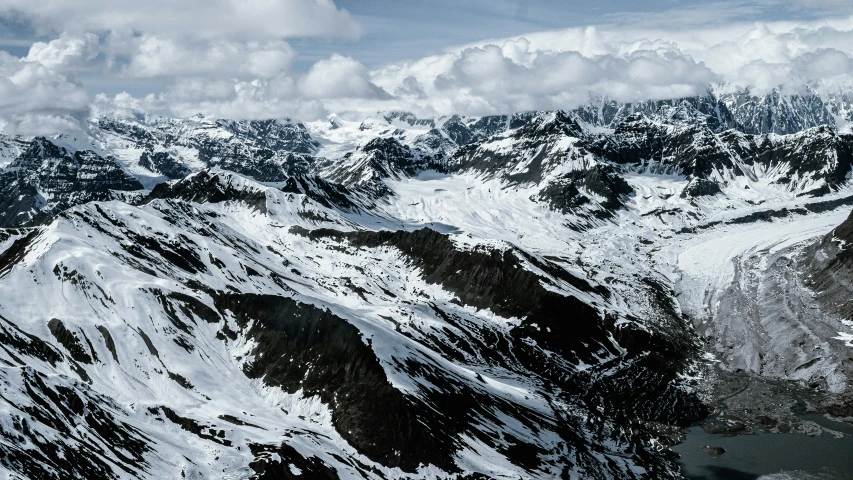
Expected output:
(494, 297)
(501, 353)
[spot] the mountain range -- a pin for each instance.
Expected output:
(515, 296)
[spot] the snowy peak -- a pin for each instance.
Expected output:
(213, 186)
(269, 150)
(47, 178)
(273, 135)
(775, 112)
(380, 159)
(814, 161)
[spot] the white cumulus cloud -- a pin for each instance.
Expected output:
(339, 77)
(67, 53)
(242, 20)
(154, 56)
(35, 99)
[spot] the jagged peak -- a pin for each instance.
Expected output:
(42, 147)
(212, 186)
(386, 144)
(557, 122)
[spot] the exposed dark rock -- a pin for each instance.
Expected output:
(16, 252)
(700, 188)
(713, 451)
(330, 195)
(266, 468)
(69, 340)
(380, 159)
(111, 447)
(829, 273)
(108, 341)
(211, 187)
(164, 163)
(47, 179)
(603, 180)
(300, 346)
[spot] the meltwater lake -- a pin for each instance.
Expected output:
(770, 456)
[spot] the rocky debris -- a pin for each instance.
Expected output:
(829, 266)
(713, 451)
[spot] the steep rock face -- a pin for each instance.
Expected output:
(699, 187)
(272, 135)
(812, 162)
(777, 112)
(46, 179)
(10, 148)
(266, 165)
(691, 150)
(701, 110)
(527, 154)
(457, 131)
(164, 163)
(214, 135)
(212, 187)
(409, 119)
(603, 181)
(830, 269)
(328, 194)
(380, 159)
(301, 348)
(549, 156)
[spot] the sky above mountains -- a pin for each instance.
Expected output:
(64, 60)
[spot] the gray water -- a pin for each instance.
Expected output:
(770, 455)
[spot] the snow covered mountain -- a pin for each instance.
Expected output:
(776, 112)
(513, 296)
(379, 353)
(45, 179)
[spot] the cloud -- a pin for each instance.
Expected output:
(548, 70)
(237, 20)
(226, 57)
(339, 77)
(329, 83)
(35, 99)
(65, 54)
(257, 99)
(154, 56)
(230, 58)
(510, 77)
